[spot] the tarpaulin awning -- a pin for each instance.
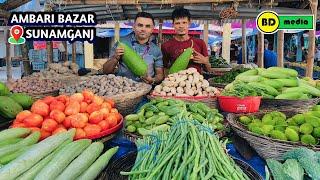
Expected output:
(110, 32)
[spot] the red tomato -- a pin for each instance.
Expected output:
(104, 125)
(49, 125)
(44, 134)
(57, 105)
(33, 120)
(80, 134)
(48, 99)
(59, 130)
(41, 108)
(22, 115)
(92, 129)
(57, 115)
(95, 117)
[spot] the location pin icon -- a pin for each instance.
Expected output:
(16, 32)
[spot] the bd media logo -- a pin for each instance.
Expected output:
(269, 22)
(16, 37)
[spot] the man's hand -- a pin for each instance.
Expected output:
(199, 58)
(119, 52)
(148, 79)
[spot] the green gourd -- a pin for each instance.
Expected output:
(182, 62)
(133, 61)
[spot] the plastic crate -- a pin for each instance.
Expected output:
(15, 63)
(37, 66)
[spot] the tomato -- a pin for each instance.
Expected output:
(67, 122)
(59, 130)
(57, 115)
(111, 102)
(105, 112)
(98, 100)
(72, 108)
(104, 125)
(44, 134)
(22, 115)
(77, 97)
(92, 129)
(80, 134)
(33, 120)
(57, 105)
(41, 108)
(114, 110)
(34, 129)
(93, 107)
(18, 125)
(106, 105)
(83, 107)
(88, 96)
(49, 125)
(48, 99)
(62, 98)
(95, 117)
(79, 120)
(112, 120)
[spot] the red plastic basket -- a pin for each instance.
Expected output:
(239, 105)
(108, 131)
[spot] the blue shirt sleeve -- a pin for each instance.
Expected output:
(158, 62)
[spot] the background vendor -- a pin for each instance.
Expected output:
(174, 47)
(139, 41)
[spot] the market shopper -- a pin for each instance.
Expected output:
(141, 42)
(270, 58)
(174, 47)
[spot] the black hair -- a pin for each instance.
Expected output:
(180, 13)
(144, 15)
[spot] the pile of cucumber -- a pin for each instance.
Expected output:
(159, 114)
(274, 83)
(56, 157)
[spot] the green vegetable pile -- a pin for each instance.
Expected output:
(241, 89)
(299, 164)
(218, 62)
(190, 150)
(12, 103)
(230, 76)
(158, 115)
(300, 127)
(276, 83)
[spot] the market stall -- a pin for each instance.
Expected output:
(59, 125)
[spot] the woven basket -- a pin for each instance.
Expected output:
(126, 162)
(127, 102)
(285, 105)
(37, 96)
(266, 147)
(211, 101)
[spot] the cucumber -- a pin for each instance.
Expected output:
(32, 172)
(28, 159)
(82, 162)
(10, 141)
(61, 160)
(31, 139)
(98, 165)
(13, 133)
(6, 159)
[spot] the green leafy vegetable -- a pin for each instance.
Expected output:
(293, 169)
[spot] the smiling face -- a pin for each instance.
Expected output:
(143, 28)
(181, 25)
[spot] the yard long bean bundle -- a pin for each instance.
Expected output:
(190, 150)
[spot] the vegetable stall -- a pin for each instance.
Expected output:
(58, 125)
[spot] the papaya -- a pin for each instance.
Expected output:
(9, 108)
(23, 99)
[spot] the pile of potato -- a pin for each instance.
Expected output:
(185, 83)
(35, 86)
(56, 70)
(105, 85)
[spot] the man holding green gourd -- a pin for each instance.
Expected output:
(148, 69)
(173, 48)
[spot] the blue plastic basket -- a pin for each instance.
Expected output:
(37, 66)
